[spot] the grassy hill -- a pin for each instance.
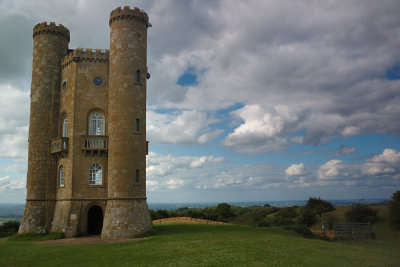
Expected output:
(206, 245)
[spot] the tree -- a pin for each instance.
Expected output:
(394, 209)
(318, 206)
(306, 217)
(314, 207)
(361, 213)
(224, 211)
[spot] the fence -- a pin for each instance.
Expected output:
(353, 230)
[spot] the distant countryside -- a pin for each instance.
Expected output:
(228, 235)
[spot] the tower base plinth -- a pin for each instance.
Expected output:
(36, 217)
(126, 218)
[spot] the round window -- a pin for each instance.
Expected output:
(98, 81)
(64, 85)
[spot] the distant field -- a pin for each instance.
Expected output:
(11, 212)
(206, 245)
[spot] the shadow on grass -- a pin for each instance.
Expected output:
(36, 237)
(176, 229)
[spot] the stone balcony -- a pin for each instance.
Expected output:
(59, 146)
(94, 144)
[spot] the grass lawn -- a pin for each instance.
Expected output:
(206, 245)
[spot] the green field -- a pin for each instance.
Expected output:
(207, 245)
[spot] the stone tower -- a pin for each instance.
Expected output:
(87, 134)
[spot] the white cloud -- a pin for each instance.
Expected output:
(186, 127)
(161, 167)
(6, 183)
(14, 117)
(331, 169)
(385, 163)
(350, 131)
(379, 171)
(326, 70)
(174, 183)
(388, 155)
(295, 169)
(345, 150)
(260, 128)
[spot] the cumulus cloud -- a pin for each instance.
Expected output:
(186, 127)
(171, 172)
(379, 171)
(383, 164)
(260, 128)
(331, 169)
(295, 169)
(327, 71)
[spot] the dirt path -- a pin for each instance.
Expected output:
(87, 240)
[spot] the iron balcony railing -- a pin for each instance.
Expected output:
(94, 143)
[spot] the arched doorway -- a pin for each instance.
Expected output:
(94, 220)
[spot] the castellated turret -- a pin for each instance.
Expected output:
(87, 134)
(127, 211)
(50, 45)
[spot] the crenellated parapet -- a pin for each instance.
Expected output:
(52, 28)
(86, 54)
(128, 13)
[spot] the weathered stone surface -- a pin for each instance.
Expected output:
(125, 218)
(65, 83)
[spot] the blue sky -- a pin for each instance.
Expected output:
(247, 100)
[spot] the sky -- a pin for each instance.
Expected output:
(248, 100)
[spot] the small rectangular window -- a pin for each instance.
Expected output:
(137, 125)
(61, 176)
(137, 176)
(138, 76)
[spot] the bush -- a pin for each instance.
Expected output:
(257, 216)
(315, 206)
(284, 216)
(9, 228)
(394, 209)
(361, 213)
(224, 211)
(306, 217)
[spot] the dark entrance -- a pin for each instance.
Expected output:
(95, 220)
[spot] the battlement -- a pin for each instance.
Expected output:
(86, 54)
(128, 13)
(52, 28)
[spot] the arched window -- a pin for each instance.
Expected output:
(96, 123)
(138, 76)
(65, 127)
(95, 174)
(61, 176)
